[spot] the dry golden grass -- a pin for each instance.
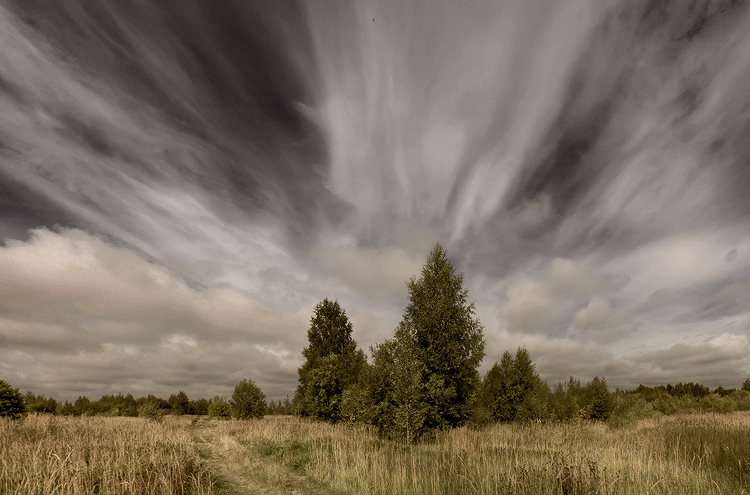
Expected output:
(701, 454)
(696, 454)
(118, 456)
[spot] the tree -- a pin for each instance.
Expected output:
(746, 385)
(600, 403)
(81, 406)
(11, 401)
(513, 390)
(199, 407)
(495, 388)
(433, 359)
(248, 401)
(332, 363)
(179, 403)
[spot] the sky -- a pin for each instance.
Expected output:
(182, 181)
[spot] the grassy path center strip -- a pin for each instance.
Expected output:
(246, 468)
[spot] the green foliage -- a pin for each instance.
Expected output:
(412, 388)
(689, 388)
(11, 401)
(332, 363)
(219, 408)
(572, 401)
(151, 409)
(426, 377)
(199, 406)
(82, 406)
(599, 402)
(746, 385)
(179, 403)
(280, 407)
(512, 390)
(356, 404)
(325, 387)
(40, 404)
(248, 401)
(294, 455)
(160, 403)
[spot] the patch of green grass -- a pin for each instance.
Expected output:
(293, 454)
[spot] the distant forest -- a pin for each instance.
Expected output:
(569, 400)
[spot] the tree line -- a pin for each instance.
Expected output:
(247, 401)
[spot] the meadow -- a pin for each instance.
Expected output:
(684, 454)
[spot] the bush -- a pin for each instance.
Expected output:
(248, 401)
(219, 408)
(150, 409)
(11, 401)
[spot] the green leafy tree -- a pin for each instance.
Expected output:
(11, 401)
(199, 406)
(66, 409)
(82, 406)
(600, 402)
(412, 412)
(325, 388)
(567, 400)
(746, 385)
(248, 401)
(128, 405)
(512, 390)
(179, 403)
(432, 361)
(332, 363)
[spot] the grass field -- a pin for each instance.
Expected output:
(696, 454)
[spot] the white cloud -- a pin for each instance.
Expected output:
(378, 273)
(602, 322)
(72, 300)
(722, 359)
(545, 305)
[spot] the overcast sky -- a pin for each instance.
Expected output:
(182, 181)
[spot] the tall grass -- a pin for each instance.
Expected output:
(117, 456)
(700, 454)
(695, 454)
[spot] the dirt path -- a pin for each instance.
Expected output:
(243, 471)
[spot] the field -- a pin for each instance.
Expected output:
(693, 454)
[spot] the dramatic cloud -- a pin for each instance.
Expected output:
(181, 183)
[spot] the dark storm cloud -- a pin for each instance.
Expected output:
(635, 72)
(21, 207)
(230, 77)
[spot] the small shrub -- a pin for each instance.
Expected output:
(219, 408)
(151, 410)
